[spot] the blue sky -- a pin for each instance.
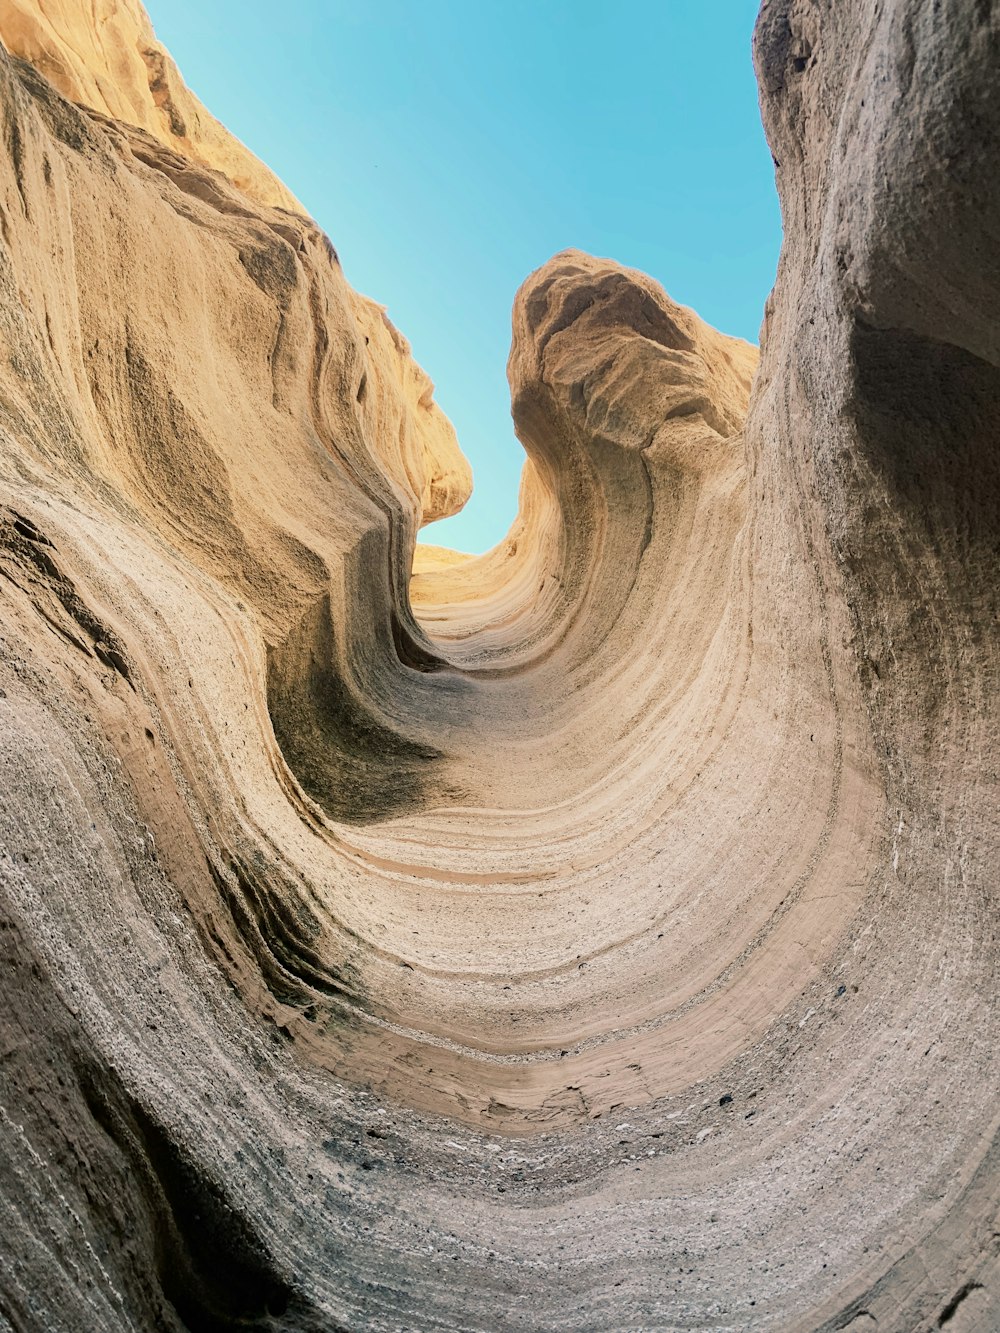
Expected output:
(449, 147)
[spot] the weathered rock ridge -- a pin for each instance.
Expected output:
(597, 934)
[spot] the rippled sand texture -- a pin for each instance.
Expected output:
(600, 934)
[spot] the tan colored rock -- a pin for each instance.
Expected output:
(599, 933)
(104, 54)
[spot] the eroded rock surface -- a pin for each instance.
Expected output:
(597, 934)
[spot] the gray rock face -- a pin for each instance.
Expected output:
(599, 934)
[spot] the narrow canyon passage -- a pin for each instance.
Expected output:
(595, 934)
(595, 749)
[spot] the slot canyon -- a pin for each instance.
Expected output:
(597, 934)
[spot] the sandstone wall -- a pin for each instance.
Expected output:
(600, 933)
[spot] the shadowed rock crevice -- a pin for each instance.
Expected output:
(211, 1264)
(925, 411)
(351, 763)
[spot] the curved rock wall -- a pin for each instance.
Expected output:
(600, 933)
(104, 55)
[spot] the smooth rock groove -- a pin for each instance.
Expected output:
(600, 934)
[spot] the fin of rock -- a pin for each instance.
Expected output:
(599, 933)
(104, 55)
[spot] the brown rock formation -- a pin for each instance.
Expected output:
(104, 55)
(598, 934)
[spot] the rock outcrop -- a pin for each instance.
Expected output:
(104, 55)
(597, 934)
